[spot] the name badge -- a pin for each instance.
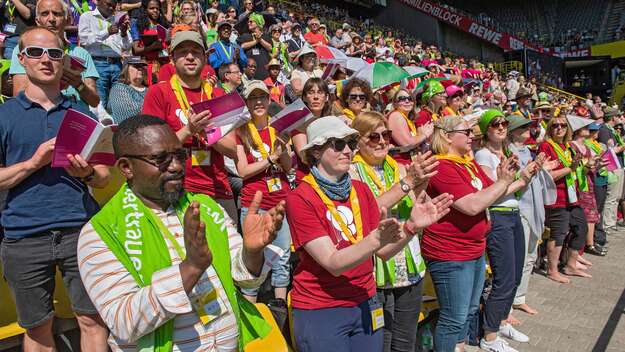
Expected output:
(208, 306)
(377, 313)
(9, 28)
(274, 184)
(255, 52)
(200, 158)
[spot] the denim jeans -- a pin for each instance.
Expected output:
(109, 74)
(402, 306)
(280, 269)
(458, 286)
(505, 245)
(9, 44)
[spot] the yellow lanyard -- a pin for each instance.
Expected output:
(227, 52)
(374, 176)
(349, 113)
(354, 204)
(11, 8)
(258, 142)
(413, 129)
(182, 97)
(465, 161)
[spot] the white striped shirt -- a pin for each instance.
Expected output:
(131, 312)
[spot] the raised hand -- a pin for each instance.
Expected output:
(427, 130)
(199, 256)
(422, 169)
(427, 212)
(259, 230)
(79, 167)
(389, 230)
(506, 170)
(43, 154)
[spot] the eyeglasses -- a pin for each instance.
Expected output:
(357, 97)
(235, 72)
(163, 159)
(375, 137)
(232, 11)
(406, 99)
(556, 126)
(338, 144)
(467, 132)
(498, 124)
(36, 52)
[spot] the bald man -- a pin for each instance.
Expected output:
(46, 207)
(54, 15)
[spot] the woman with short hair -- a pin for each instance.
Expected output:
(355, 96)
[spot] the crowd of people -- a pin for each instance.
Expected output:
(450, 171)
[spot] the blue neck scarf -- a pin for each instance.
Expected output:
(334, 190)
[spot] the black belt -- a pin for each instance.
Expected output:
(109, 59)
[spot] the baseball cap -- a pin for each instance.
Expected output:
(223, 23)
(254, 85)
(186, 36)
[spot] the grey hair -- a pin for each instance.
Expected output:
(63, 4)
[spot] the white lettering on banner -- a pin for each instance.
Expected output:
(436, 11)
(133, 230)
(485, 33)
(516, 44)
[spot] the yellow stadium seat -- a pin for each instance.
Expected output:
(289, 308)
(116, 181)
(274, 342)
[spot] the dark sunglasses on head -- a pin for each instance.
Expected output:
(467, 132)
(498, 124)
(559, 125)
(357, 97)
(163, 159)
(36, 52)
(338, 144)
(406, 99)
(375, 136)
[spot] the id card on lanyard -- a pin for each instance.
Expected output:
(377, 313)
(11, 27)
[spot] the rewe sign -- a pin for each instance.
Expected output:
(501, 39)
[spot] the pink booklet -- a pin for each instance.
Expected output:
(119, 18)
(81, 134)
(162, 33)
(291, 117)
(228, 112)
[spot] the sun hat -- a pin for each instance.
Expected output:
(517, 121)
(578, 122)
(453, 90)
(305, 50)
(434, 87)
(324, 128)
(254, 85)
(610, 112)
(523, 93)
(186, 36)
(487, 117)
(273, 62)
(543, 105)
(224, 23)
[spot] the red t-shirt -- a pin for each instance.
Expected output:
(168, 70)
(456, 236)
(212, 179)
(309, 218)
(314, 38)
(563, 199)
(276, 89)
(258, 182)
(424, 117)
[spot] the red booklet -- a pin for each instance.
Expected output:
(291, 117)
(227, 113)
(81, 134)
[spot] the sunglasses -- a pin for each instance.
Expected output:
(375, 137)
(232, 11)
(406, 99)
(467, 132)
(163, 159)
(338, 144)
(36, 52)
(498, 124)
(559, 125)
(357, 97)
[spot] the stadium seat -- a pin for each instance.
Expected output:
(274, 342)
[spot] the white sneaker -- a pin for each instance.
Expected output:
(497, 345)
(511, 333)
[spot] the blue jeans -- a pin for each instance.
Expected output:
(505, 245)
(109, 74)
(458, 286)
(343, 329)
(280, 269)
(9, 45)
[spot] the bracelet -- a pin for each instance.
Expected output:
(408, 231)
(89, 177)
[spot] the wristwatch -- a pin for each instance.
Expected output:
(89, 177)
(81, 87)
(405, 187)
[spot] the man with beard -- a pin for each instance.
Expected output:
(46, 206)
(53, 14)
(171, 101)
(161, 263)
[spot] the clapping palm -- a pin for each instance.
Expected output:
(259, 230)
(426, 212)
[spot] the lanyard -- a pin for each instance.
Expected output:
(181, 97)
(354, 204)
(11, 8)
(165, 231)
(564, 156)
(391, 174)
(413, 129)
(258, 142)
(81, 9)
(227, 52)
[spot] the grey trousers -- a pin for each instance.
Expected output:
(531, 246)
(615, 193)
